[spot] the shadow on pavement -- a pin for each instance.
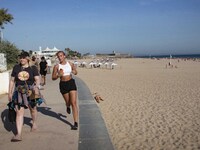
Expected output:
(11, 126)
(47, 111)
(44, 110)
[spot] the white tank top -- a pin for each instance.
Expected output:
(67, 69)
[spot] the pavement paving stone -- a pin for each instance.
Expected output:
(54, 124)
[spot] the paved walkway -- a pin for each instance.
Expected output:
(54, 124)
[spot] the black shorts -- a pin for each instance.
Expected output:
(67, 86)
(43, 73)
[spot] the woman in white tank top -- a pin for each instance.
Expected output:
(68, 89)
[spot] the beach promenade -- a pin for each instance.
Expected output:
(54, 124)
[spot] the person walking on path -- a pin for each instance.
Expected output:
(24, 78)
(34, 62)
(49, 65)
(67, 85)
(43, 70)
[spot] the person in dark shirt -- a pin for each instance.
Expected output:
(43, 70)
(23, 79)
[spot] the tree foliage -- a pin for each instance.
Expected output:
(5, 17)
(71, 54)
(10, 50)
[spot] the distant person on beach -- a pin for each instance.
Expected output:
(43, 70)
(68, 89)
(24, 78)
(49, 65)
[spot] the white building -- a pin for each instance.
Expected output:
(46, 52)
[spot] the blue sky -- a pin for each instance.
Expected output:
(139, 27)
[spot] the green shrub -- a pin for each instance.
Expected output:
(11, 52)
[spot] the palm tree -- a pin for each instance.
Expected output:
(5, 18)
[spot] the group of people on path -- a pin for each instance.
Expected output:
(25, 82)
(43, 66)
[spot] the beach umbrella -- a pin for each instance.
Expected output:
(84, 63)
(91, 63)
(99, 64)
(76, 62)
(106, 64)
(112, 65)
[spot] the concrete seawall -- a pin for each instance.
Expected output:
(4, 82)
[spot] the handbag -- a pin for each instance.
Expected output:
(11, 112)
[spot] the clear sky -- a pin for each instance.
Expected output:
(139, 27)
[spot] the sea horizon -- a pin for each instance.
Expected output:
(169, 55)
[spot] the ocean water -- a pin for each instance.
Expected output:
(172, 56)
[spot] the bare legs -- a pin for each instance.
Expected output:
(20, 121)
(43, 79)
(33, 112)
(73, 102)
(70, 99)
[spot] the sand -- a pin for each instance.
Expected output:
(149, 106)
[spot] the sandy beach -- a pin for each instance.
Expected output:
(149, 106)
